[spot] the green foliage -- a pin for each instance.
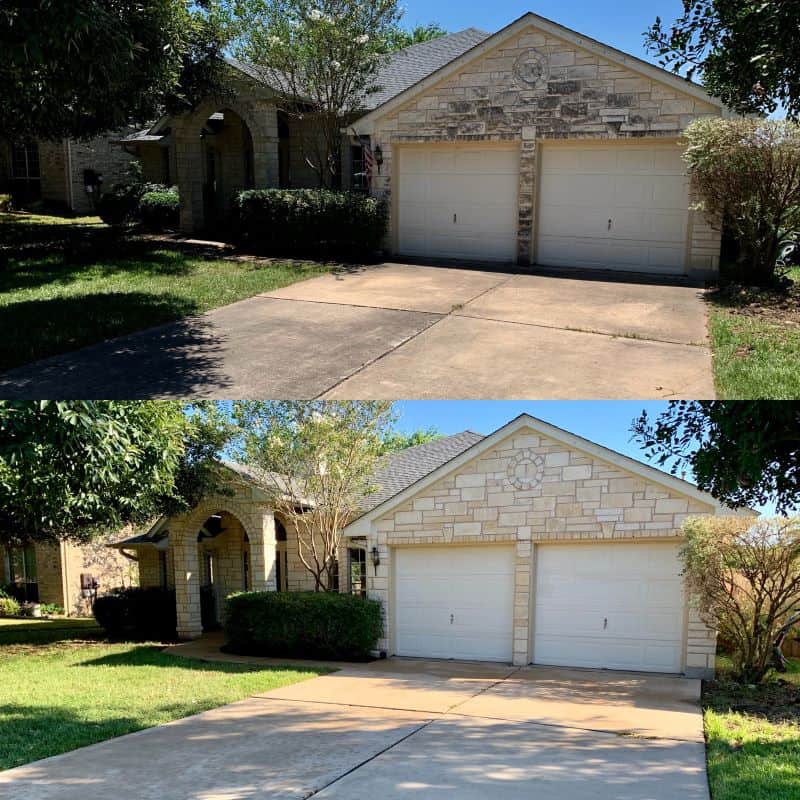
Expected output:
(323, 56)
(71, 468)
(394, 441)
(315, 222)
(119, 206)
(5, 202)
(747, 172)
(80, 69)
(303, 625)
(9, 607)
(745, 576)
(51, 609)
(159, 209)
(316, 460)
(137, 614)
(742, 452)
(399, 38)
(747, 53)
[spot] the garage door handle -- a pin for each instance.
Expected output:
(455, 218)
(451, 619)
(605, 622)
(609, 224)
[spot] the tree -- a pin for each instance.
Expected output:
(747, 172)
(71, 470)
(394, 441)
(323, 59)
(747, 52)
(742, 452)
(400, 38)
(745, 575)
(80, 69)
(316, 460)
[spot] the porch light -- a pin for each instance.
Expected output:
(378, 153)
(376, 559)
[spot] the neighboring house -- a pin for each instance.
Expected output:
(528, 545)
(59, 172)
(66, 574)
(535, 145)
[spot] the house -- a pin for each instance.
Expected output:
(535, 145)
(530, 545)
(66, 574)
(63, 174)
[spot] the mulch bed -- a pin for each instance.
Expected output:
(777, 701)
(780, 305)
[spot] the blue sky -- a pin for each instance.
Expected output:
(605, 422)
(620, 24)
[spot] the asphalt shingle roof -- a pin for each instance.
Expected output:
(407, 466)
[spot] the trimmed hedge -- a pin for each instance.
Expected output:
(311, 222)
(137, 613)
(159, 210)
(302, 625)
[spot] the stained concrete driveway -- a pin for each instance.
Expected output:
(412, 331)
(408, 729)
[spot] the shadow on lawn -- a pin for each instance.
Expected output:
(169, 360)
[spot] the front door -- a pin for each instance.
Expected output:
(209, 611)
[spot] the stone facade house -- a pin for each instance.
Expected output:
(59, 172)
(66, 574)
(534, 145)
(530, 545)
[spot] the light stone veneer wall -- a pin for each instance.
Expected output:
(583, 96)
(579, 498)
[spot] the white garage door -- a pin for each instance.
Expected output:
(618, 606)
(458, 202)
(623, 207)
(454, 602)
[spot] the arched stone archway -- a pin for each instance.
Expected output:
(223, 146)
(253, 521)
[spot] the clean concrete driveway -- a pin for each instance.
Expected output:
(410, 331)
(407, 728)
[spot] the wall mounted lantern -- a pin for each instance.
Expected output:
(376, 559)
(378, 153)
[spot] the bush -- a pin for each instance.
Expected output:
(159, 209)
(119, 206)
(9, 607)
(315, 222)
(5, 202)
(137, 614)
(302, 625)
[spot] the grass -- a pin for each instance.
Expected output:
(756, 341)
(63, 691)
(753, 737)
(67, 283)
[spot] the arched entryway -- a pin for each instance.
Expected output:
(227, 164)
(223, 554)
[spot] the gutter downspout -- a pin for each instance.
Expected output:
(70, 188)
(65, 577)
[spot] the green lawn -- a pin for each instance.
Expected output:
(753, 738)
(73, 690)
(756, 341)
(66, 283)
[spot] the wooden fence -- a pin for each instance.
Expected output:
(791, 647)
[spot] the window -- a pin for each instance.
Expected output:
(162, 569)
(358, 571)
(25, 161)
(165, 171)
(21, 569)
(358, 175)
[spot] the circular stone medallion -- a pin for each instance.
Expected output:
(532, 68)
(525, 469)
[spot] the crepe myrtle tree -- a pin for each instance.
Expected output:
(747, 173)
(316, 460)
(745, 576)
(323, 57)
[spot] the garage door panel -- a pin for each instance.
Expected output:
(447, 617)
(641, 189)
(617, 606)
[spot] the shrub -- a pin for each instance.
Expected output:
(316, 222)
(119, 206)
(302, 625)
(137, 613)
(9, 607)
(747, 172)
(51, 609)
(745, 575)
(159, 209)
(5, 202)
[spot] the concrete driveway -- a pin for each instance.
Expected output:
(408, 728)
(412, 331)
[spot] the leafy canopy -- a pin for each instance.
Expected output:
(81, 69)
(394, 441)
(747, 52)
(72, 469)
(399, 37)
(745, 575)
(747, 172)
(742, 452)
(316, 460)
